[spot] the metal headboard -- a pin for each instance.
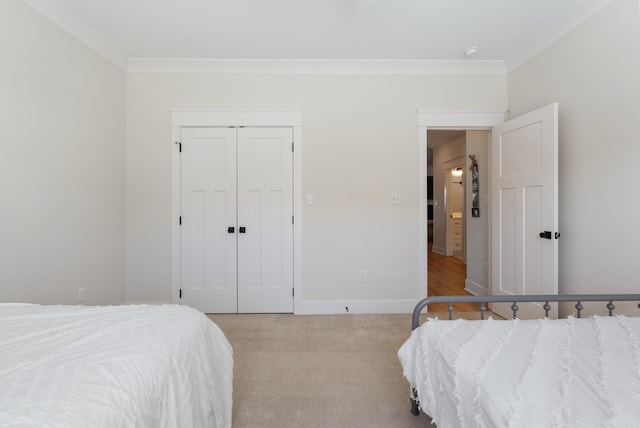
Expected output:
(514, 300)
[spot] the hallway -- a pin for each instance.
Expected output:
(447, 278)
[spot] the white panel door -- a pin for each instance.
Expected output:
(265, 222)
(524, 205)
(208, 260)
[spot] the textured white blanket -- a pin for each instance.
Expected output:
(117, 366)
(534, 373)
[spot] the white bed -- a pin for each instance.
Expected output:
(113, 366)
(534, 373)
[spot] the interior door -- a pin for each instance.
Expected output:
(208, 260)
(265, 220)
(524, 221)
(236, 250)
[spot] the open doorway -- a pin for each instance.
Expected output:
(457, 254)
(445, 163)
(468, 120)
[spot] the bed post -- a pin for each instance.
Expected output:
(414, 402)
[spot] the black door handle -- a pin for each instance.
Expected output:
(242, 229)
(545, 235)
(231, 229)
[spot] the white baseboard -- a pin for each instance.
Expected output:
(327, 307)
(331, 307)
(146, 303)
(475, 288)
(439, 250)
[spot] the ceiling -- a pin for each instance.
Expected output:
(321, 29)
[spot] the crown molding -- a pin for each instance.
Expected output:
(77, 27)
(319, 66)
(577, 16)
(55, 11)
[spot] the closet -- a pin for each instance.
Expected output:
(235, 250)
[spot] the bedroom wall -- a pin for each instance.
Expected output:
(360, 144)
(62, 165)
(592, 73)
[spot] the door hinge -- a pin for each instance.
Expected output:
(180, 220)
(292, 220)
(291, 146)
(293, 292)
(179, 146)
(181, 293)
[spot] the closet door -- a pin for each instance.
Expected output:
(208, 262)
(265, 220)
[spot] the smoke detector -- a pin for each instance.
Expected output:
(471, 52)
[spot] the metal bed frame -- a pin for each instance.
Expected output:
(514, 300)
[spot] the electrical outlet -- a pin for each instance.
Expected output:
(396, 198)
(364, 276)
(82, 294)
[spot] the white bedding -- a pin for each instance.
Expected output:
(113, 366)
(535, 373)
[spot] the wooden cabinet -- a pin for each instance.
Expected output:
(456, 231)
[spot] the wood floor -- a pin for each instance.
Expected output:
(446, 278)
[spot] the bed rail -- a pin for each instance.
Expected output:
(514, 300)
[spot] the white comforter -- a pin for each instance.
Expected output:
(537, 373)
(117, 366)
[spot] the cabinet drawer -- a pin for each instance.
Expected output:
(457, 244)
(456, 222)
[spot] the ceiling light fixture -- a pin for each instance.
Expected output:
(471, 52)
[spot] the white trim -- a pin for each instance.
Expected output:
(463, 119)
(147, 302)
(439, 250)
(475, 288)
(78, 27)
(61, 15)
(585, 10)
(315, 66)
(176, 173)
(183, 117)
(327, 307)
(186, 117)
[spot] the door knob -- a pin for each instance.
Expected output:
(545, 235)
(242, 229)
(231, 229)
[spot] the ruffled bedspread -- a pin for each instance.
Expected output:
(117, 366)
(534, 373)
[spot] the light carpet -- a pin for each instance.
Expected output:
(319, 371)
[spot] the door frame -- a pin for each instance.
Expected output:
(223, 117)
(446, 119)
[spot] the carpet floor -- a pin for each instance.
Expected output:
(319, 371)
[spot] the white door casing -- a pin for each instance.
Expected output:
(460, 119)
(524, 204)
(185, 118)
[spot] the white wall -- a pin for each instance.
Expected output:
(62, 165)
(448, 154)
(592, 73)
(476, 233)
(359, 145)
